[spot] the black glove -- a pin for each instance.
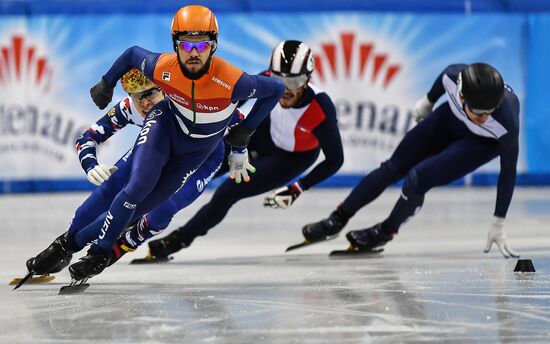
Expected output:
(238, 136)
(102, 94)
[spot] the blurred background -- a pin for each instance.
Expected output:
(374, 58)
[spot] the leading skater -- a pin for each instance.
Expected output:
(178, 135)
(285, 145)
(142, 96)
(479, 122)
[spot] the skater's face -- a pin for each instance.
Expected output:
(291, 97)
(145, 101)
(194, 53)
(475, 117)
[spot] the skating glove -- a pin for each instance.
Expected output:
(284, 197)
(496, 235)
(238, 136)
(100, 173)
(102, 94)
(239, 165)
(422, 108)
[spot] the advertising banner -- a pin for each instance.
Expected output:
(374, 66)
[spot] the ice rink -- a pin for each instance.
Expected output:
(432, 284)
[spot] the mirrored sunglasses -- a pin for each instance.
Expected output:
(292, 82)
(200, 46)
(149, 94)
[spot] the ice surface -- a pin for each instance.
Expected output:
(432, 284)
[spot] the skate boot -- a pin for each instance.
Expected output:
(93, 263)
(369, 238)
(325, 229)
(162, 248)
(120, 248)
(53, 259)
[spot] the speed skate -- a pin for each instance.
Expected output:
(150, 259)
(308, 243)
(74, 287)
(34, 279)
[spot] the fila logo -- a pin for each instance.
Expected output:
(129, 205)
(166, 76)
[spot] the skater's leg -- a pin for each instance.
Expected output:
(273, 171)
(426, 139)
(457, 160)
(460, 158)
(98, 203)
(159, 218)
(59, 253)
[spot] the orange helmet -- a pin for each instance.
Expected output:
(135, 81)
(194, 20)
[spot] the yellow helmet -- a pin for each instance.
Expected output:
(135, 81)
(194, 20)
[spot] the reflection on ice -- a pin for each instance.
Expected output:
(432, 284)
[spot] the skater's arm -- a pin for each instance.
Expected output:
(266, 90)
(98, 133)
(144, 60)
(330, 142)
(243, 102)
(133, 57)
(505, 189)
(424, 106)
(508, 113)
(437, 89)
(506, 178)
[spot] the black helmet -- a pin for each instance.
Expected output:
(292, 62)
(482, 87)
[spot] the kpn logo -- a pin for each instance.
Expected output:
(37, 128)
(365, 80)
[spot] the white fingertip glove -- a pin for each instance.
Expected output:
(239, 165)
(422, 108)
(100, 173)
(284, 197)
(496, 235)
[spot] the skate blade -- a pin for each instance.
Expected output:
(354, 252)
(149, 259)
(24, 279)
(74, 287)
(37, 279)
(308, 243)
